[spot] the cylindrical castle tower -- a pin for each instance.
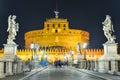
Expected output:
(56, 33)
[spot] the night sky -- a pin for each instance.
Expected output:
(82, 14)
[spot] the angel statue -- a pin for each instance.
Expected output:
(13, 28)
(108, 29)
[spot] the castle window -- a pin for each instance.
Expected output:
(53, 25)
(47, 28)
(58, 25)
(47, 25)
(69, 32)
(64, 25)
(56, 31)
(64, 29)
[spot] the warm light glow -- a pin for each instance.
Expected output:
(32, 46)
(85, 45)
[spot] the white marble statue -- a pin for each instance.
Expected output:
(13, 27)
(108, 29)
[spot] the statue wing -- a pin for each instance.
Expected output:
(17, 26)
(9, 23)
(112, 28)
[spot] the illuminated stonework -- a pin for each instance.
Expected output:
(56, 33)
(25, 54)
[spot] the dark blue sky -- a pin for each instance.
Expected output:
(82, 14)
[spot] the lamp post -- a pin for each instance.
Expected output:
(85, 46)
(85, 60)
(79, 55)
(46, 58)
(35, 61)
(79, 52)
(35, 47)
(71, 56)
(66, 57)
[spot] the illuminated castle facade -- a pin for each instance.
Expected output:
(57, 34)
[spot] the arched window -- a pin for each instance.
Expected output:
(47, 25)
(64, 25)
(56, 31)
(58, 25)
(47, 28)
(53, 25)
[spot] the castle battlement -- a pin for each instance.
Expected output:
(25, 54)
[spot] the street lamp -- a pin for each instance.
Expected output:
(79, 52)
(66, 57)
(71, 56)
(85, 61)
(85, 46)
(71, 53)
(35, 47)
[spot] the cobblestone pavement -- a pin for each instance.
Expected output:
(62, 74)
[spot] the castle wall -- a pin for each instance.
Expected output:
(56, 54)
(66, 39)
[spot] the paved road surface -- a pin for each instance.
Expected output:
(62, 74)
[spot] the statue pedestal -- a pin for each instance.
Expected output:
(9, 57)
(108, 62)
(110, 52)
(7, 60)
(10, 50)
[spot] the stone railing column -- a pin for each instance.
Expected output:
(9, 68)
(96, 65)
(19, 67)
(2, 75)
